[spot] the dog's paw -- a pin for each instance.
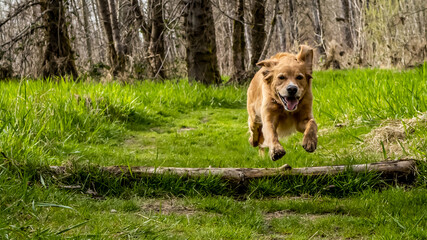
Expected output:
(253, 142)
(309, 144)
(277, 152)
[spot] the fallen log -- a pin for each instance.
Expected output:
(399, 168)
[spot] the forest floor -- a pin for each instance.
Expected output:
(363, 116)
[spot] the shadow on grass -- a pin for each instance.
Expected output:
(92, 180)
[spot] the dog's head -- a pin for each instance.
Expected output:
(289, 76)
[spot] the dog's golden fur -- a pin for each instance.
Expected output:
(273, 113)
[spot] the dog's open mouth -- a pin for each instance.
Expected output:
(290, 103)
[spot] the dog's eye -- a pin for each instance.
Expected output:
(300, 77)
(281, 77)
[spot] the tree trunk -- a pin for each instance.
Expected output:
(248, 41)
(104, 14)
(131, 29)
(140, 22)
(318, 30)
(116, 36)
(239, 75)
(270, 32)
(58, 57)
(293, 20)
(38, 47)
(87, 30)
(258, 30)
(281, 32)
(99, 32)
(347, 23)
(156, 49)
(202, 63)
(353, 21)
(397, 168)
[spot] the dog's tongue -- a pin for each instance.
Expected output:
(292, 103)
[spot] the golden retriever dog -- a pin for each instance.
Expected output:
(280, 101)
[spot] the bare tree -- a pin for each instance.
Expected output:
(87, 30)
(347, 22)
(270, 32)
(115, 57)
(98, 34)
(153, 29)
(281, 32)
(239, 75)
(318, 30)
(140, 22)
(148, 37)
(258, 30)
(202, 64)
(58, 57)
(117, 38)
(293, 21)
(156, 49)
(128, 26)
(115, 25)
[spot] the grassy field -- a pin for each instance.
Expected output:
(363, 116)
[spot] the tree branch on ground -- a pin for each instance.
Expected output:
(404, 167)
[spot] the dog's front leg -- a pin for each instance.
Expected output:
(269, 126)
(309, 128)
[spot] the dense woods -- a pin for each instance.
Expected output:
(203, 39)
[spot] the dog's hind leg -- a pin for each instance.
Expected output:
(255, 127)
(261, 150)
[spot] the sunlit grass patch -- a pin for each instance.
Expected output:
(85, 125)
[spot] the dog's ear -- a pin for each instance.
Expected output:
(306, 55)
(268, 63)
(266, 72)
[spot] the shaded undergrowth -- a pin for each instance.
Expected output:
(33, 204)
(91, 179)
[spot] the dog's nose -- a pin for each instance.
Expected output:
(292, 89)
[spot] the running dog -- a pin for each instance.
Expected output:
(280, 102)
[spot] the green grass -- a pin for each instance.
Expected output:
(38, 211)
(178, 124)
(87, 124)
(370, 95)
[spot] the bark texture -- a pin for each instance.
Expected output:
(115, 52)
(156, 48)
(258, 30)
(104, 15)
(58, 58)
(347, 23)
(293, 22)
(270, 33)
(239, 45)
(281, 32)
(128, 33)
(399, 168)
(120, 62)
(87, 30)
(202, 63)
(318, 30)
(115, 26)
(139, 19)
